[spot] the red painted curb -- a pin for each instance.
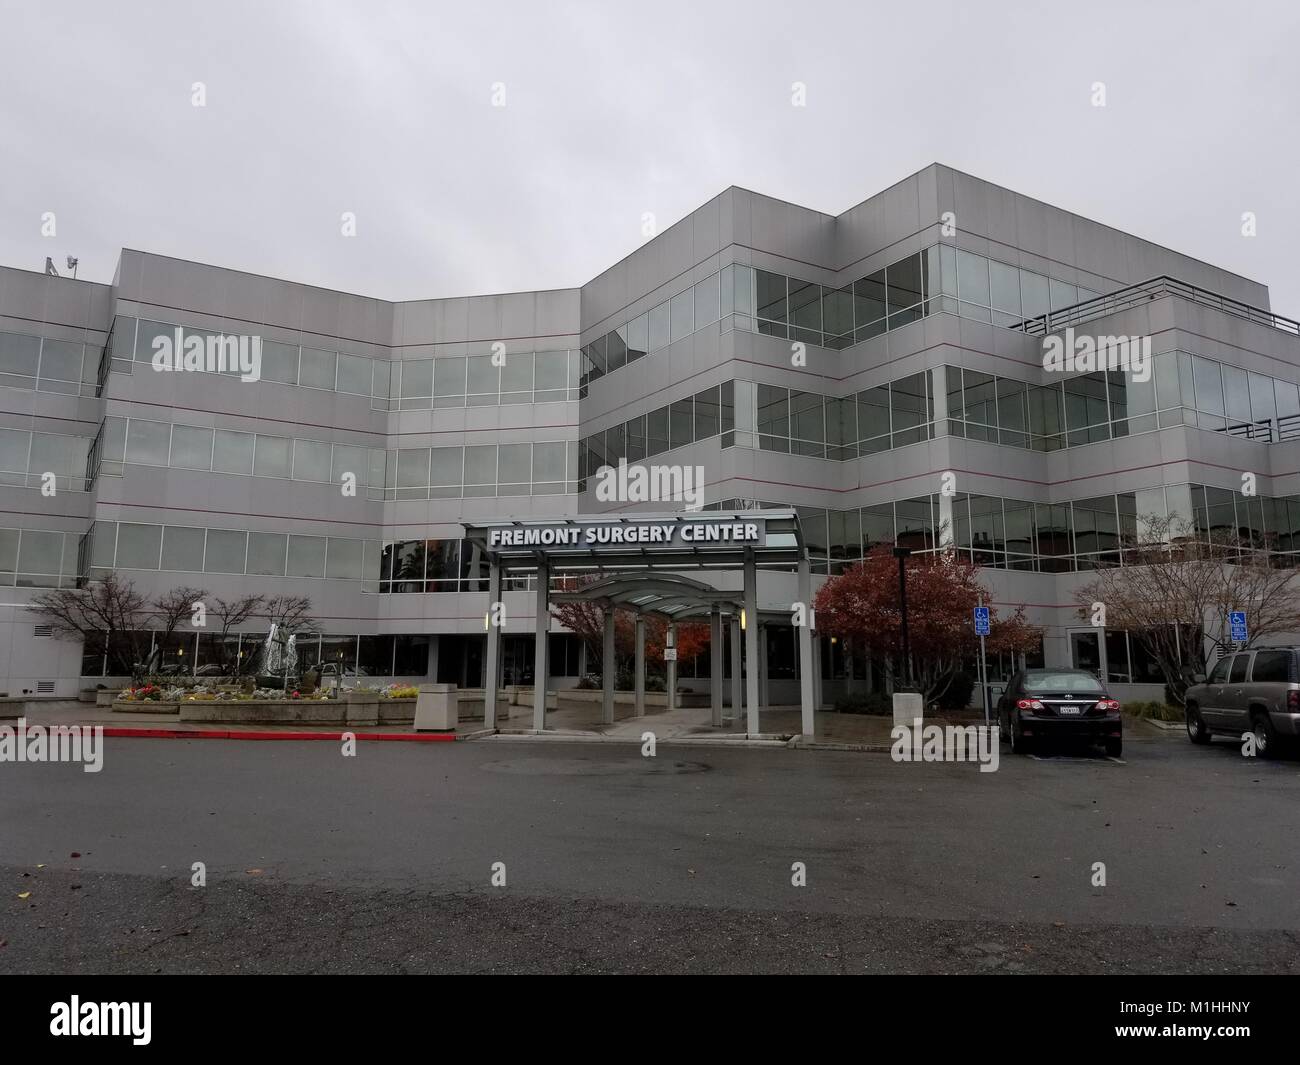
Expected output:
(219, 734)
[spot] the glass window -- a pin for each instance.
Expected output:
(1262, 405)
(279, 362)
(39, 555)
(637, 338)
(837, 312)
(1004, 287)
(317, 368)
(517, 376)
(657, 431)
(191, 448)
(1034, 299)
(354, 374)
(1062, 294)
(449, 382)
(19, 354)
(147, 336)
(681, 424)
(138, 546)
(773, 410)
(266, 553)
(805, 306)
(343, 559)
(306, 556)
(904, 283)
(973, 278)
(348, 458)
(484, 380)
(869, 298)
(514, 467)
(183, 549)
(552, 372)
(873, 419)
(660, 326)
(417, 379)
(683, 314)
(446, 467)
(548, 462)
(772, 302)
(15, 445)
(706, 414)
(807, 419)
(1239, 664)
(1271, 667)
(272, 456)
(706, 301)
(232, 452)
(1209, 385)
(413, 467)
(60, 361)
(909, 409)
(225, 552)
(481, 467)
(148, 442)
(311, 460)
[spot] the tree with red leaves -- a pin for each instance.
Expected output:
(860, 606)
(587, 620)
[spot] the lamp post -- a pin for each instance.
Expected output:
(903, 554)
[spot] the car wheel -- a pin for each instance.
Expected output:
(1265, 735)
(1019, 745)
(1196, 730)
(1114, 746)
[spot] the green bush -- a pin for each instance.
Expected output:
(875, 703)
(1153, 711)
(957, 697)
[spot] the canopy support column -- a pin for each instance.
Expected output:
(672, 667)
(608, 668)
(807, 707)
(540, 651)
(736, 677)
(715, 665)
(751, 644)
(640, 666)
(492, 662)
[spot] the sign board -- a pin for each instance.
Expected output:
(670, 654)
(1237, 621)
(981, 621)
(587, 536)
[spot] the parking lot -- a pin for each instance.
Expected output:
(611, 861)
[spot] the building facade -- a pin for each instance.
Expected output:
(881, 371)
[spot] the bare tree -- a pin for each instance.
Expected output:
(291, 613)
(103, 614)
(1174, 593)
(169, 608)
(232, 613)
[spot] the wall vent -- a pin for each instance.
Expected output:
(45, 687)
(44, 632)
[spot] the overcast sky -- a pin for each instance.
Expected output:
(614, 109)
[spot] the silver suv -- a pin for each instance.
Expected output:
(1249, 691)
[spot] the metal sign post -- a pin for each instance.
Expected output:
(982, 630)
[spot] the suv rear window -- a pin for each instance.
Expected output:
(1272, 666)
(1062, 682)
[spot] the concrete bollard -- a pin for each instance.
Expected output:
(908, 707)
(437, 709)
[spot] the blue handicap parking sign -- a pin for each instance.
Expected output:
(981, 621)
(1237, 622)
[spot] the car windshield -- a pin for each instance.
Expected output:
(1062, 682)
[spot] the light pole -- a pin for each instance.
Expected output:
(903, 554)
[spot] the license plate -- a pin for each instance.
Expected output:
(1071, 709)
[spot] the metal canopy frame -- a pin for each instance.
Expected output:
(631, 578)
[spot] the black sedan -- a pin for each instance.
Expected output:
(1043, 704)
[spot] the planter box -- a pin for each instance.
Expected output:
(351, 711)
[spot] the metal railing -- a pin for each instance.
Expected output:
(1145, 292)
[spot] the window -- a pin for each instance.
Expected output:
(311, 460)
(39, 557)
(225, 552)
(316, 369)
(306, 556)
(272, 456)
(354, 374)
(1220, 674)
(232, 452)
(660, 327)
(552, 373)
(138, 546)
(1271, 667)
(1239, 663)
(417, 383)
(683, 315)
(191, 448)
(448, 383)
(182, 549)
(279, 362)
(343, 559)
(147, 442)
(266, 554)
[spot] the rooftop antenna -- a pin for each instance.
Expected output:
(72, 265)
(49, 267)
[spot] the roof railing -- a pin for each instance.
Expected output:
(1144, 292)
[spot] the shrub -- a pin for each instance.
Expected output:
(958, 695)
(1151, 710)
(874, 703)
(589, 683)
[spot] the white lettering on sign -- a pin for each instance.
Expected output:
(609, 533)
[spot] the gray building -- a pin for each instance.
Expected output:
(841, 365)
